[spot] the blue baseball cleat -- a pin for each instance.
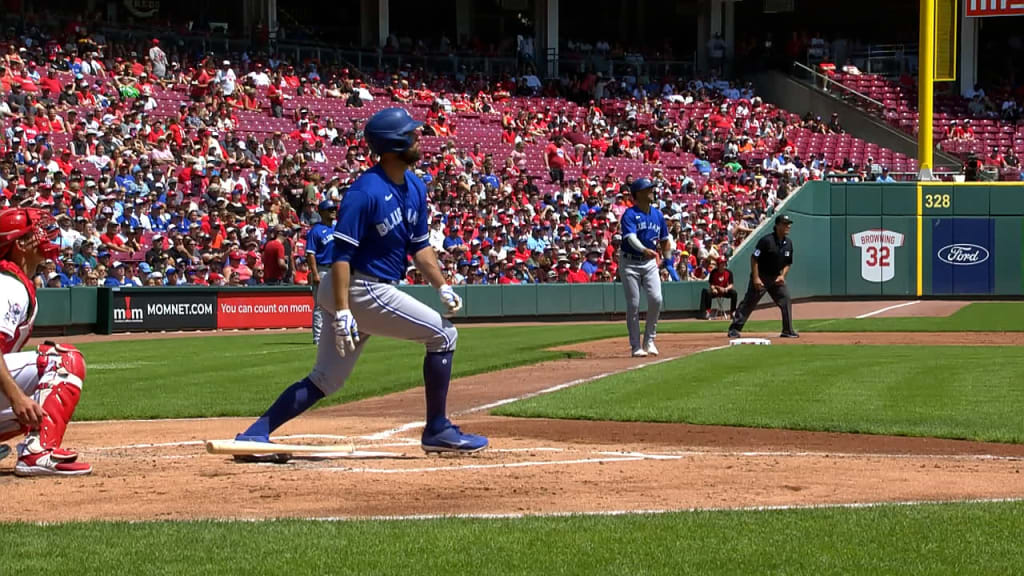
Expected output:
(272, 458)
(4, 451)
(451, 439)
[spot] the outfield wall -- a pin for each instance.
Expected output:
(899, 240)
(850, 240)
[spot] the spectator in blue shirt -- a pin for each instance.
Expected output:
(116, 276)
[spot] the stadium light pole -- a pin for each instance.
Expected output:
(925, 90)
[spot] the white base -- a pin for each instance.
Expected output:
(754, 341)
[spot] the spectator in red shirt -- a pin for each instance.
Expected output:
(555, 160)
(275, 266)
(50, 85)
(276, 97)
(576, 274)
(112, 239)
(720, 285)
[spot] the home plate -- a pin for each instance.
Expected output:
(754, 341)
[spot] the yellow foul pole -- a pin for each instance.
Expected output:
(925, 91)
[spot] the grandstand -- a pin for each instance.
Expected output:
(279, 124)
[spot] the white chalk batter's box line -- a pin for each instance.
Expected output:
(479, 463)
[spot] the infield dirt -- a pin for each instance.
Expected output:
(148, 470)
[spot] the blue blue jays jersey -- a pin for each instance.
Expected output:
(320, 243)
(649, 228)
(384, 222)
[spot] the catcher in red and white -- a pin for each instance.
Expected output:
(40, 388)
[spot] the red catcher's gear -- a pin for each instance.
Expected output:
(61, 373)
(18, 222)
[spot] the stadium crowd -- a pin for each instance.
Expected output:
(172, 168)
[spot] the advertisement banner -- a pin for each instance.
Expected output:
(963, 256)
(144, 311)
(974, 8)
(247, 310)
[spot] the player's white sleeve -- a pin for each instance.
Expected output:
(635, 242)
(14, 304)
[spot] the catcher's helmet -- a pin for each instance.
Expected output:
(640, 184)
(389, 130)
(18, 222)
(326, 206)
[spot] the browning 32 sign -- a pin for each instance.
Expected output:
(877, 253)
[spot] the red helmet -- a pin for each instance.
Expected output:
(18, 222)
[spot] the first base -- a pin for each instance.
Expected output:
(754, 341)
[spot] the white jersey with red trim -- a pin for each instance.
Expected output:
(18, 307)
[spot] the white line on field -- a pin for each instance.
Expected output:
(485, 466)
(539, 449)
(812, 454)
(886, 309)
(289, 437)
(557, 387)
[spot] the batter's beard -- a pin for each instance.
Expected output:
(410, 156)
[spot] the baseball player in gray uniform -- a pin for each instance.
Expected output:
(643, 231)
(319, 254)
(382, 221)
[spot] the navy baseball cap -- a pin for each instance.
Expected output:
(640, 184)
(103, 254)
(783, 219)
(326, 206)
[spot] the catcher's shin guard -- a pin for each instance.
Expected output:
(61, 373)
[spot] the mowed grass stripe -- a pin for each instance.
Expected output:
(940, 539)
(240, 375)
(975, 317)
(939, 391)
(235, 375)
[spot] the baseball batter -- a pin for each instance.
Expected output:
(319, 253)
(382, 221)
(40, 388)
(643, 231)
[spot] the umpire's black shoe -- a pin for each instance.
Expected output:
(734, 334)
(789, 335)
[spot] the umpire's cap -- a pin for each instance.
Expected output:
(389, 130)
(782, 219)
(640, 184)
(326, 206)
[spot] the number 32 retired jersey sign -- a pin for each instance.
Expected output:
(877, 253)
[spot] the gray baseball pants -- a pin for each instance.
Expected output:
(380, 309)
(637, 275)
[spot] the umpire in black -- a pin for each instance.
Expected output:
(769, 265)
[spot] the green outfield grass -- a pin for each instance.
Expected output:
(976, 317)
(240, 375)
(941, 391)
(961, 539)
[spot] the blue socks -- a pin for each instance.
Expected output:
(437, 373)
(298, 398)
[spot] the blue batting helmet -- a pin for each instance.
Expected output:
(640, 184)
(389, 129)
(326, 206)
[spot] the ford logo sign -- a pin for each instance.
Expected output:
(963, 254)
